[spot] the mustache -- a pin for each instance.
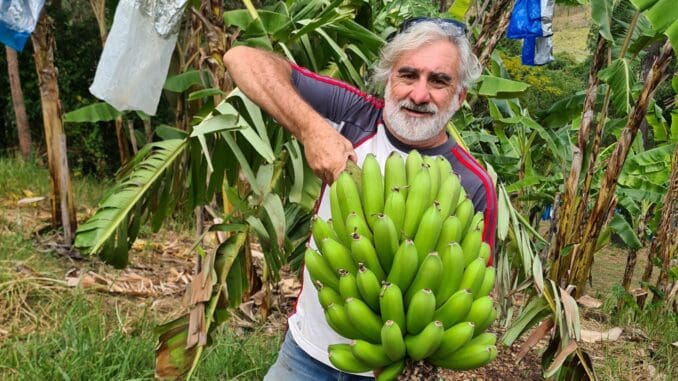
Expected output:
(423, 107)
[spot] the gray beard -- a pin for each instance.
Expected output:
(416, 129)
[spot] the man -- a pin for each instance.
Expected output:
(425, 71)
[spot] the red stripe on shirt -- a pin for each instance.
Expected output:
(491, 209)
(376, 102)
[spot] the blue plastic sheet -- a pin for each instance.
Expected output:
(531, 21)
(525, 20)
(17, 21)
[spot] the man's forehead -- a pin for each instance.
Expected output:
(440, 56)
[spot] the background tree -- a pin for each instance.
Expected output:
(22, 126)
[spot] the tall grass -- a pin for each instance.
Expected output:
(94, 340)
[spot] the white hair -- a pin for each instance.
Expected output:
(423, 33)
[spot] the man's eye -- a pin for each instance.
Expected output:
(408, 76)
(439, 82)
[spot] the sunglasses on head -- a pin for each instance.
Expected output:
(458, 28)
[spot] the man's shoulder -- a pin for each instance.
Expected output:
(322, 80)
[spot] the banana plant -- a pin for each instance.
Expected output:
(585, 210)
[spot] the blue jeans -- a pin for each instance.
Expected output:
(294, 364)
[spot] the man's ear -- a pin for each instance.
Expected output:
(462, 96)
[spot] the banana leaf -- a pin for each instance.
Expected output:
(97, 112)
(108, 232)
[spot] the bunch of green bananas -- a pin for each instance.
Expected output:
(403, 270)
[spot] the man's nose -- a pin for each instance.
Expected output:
(420, 93)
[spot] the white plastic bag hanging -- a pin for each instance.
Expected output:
(134, 63)
(17, 21)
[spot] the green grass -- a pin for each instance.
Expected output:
(18, 177)
(95, 339)
(658, 323)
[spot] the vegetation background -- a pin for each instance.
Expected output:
(51, 329)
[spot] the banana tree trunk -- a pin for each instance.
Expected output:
(633, 253)
(581, 257)
(23, 129)
(566, 217)
(667, 233)
(63, 209)
(494, 25)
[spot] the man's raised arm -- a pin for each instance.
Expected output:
(267, 80)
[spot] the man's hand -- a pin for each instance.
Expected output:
(327, 152)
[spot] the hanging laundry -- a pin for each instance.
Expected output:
(17, 21)
(137, 53)
(531, 21)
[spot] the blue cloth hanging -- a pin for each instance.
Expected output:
(17, 21)
(531, 21)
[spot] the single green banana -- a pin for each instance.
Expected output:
(478, 221)
(485, 338)
(364, 252)
(394, 208)
(453, 271)
(348, 286)
(405, 265)
(468, 357)
(369, 287)
(481, 310)
(428, 231)
(448, 194)
(455, 309)
(487, 323)
(321, 229)
(488, 282)
(370, 354)
(393, 341)
(395, 175)
(341, 356)
(373, 189)
(366, 321)
(417, 202)
(338, 220)
(337, 318)
(319, 269)
(454, 338)
(470, 245)
(354, 171)
(337, 255)
(413, 164)
(420, 311)
(428, 276)
(391, 372)
(356, 224)
(425, 343)
(434, 173)
(449, 232)
(391, 305)
(465, 213)
(328, 295)
(444, 167)
(485, 252)
(385, 241)
(473, 276)
(349, 196)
